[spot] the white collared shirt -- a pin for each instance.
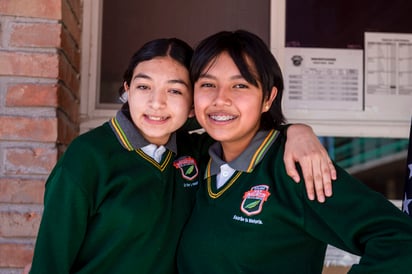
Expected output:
(154, 151)
(223, 176)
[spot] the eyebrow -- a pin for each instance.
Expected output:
(209, 76)
(171, 81)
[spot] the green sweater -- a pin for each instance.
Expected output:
(260, 221)
(110, 208)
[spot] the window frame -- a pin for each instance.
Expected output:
(90, 114)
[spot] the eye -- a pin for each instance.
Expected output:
(142, 87)
(207, 85)
(241, 86)
(175, 91)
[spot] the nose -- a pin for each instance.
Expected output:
(222, 97)
(157, 99)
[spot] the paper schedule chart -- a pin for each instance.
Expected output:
(388, 73)
(323, 79)
(388, 64)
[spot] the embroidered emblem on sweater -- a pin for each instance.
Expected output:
(253, 200)
(188, 167)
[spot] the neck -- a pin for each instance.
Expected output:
(232, 150)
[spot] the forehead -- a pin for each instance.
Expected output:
(244, 65)
(222, 60)
(164, 65)
(237, 59)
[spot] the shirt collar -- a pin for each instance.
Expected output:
(129, 136)
(249, 158)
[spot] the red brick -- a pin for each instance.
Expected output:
(67, 131)
(19, 224)
(33, 35)
(49, 9)
(60, 63)
(69, 105)
(71, 22)
(29, 160)
(28, 129)
(76, 8)
(71, 48)
(1, 34)
(69, 76)
(29, 64)
(32, 96)
(15, 255)
(23, 191)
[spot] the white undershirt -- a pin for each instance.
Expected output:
(223, 176)
(154, 151)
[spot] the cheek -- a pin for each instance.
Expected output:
(181, 106)
(201, 100)
(199, 106)
(251, 106)
(135, 102)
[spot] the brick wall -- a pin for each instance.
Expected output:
(39, 110)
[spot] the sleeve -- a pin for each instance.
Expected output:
(363, 222)
(196, 144)
(283, 128)
(64, 222)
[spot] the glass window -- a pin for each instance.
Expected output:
(128, 24)
(342, 23)
(380, 163)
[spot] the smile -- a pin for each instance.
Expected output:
(156, 118)
(222, 118)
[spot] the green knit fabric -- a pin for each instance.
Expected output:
(264, 223)
(112, 210)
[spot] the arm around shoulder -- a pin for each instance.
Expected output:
(303, 147)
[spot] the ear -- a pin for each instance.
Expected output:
(125, 95)
(268, 102)
(125, 86)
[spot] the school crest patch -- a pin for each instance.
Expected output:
(188, 167)
(253, 200)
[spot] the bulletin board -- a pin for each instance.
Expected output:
(347, 65)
